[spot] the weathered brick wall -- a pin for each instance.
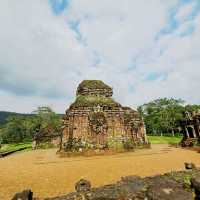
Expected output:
(97, 92)
(110, 120)
(79, 127)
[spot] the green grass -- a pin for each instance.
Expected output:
(164, 139)
(13, 147)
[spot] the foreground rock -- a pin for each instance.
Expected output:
(189, 166)
(195, 183)
(175, 185)
(24, 195)
(83, 186)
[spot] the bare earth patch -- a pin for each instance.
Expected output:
(48, 175)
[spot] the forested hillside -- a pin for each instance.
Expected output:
(16, 128)
(5, 115)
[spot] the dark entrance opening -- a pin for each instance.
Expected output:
(196, 128)
(190, 132)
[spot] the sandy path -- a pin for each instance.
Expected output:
(48, 175)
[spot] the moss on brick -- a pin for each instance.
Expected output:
(90, 101)
(93, 84)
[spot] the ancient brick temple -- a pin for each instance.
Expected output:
(95, 117)
(191, 128)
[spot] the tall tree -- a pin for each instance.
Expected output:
(161, 115)
(47, 121)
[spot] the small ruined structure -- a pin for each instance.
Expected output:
(95, 119)
(191, 128)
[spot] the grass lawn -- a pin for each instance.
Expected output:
(13, 147)
(164, 139)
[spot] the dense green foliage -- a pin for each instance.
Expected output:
(5, 115)
(17, 129)
(162, 116)
(20, 128)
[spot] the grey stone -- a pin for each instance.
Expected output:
(189, 166)
(83, 186)
(24, 195)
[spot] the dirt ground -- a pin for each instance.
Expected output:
(48, 175)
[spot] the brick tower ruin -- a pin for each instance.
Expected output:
(95, 118)
(191, 129)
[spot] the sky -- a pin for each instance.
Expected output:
(144, 49)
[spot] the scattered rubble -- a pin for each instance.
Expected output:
(174, 185)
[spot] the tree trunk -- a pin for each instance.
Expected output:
(172, 132)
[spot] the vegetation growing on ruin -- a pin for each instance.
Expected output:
(127, 117)
(93, 84)
(97, 122)
(125, 144)
(90, 101)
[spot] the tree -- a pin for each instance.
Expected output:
(47, 119)
(161, 115)
(47, 125)
(192, 108)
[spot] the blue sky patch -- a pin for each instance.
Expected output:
(190, 29)
(74, 25)
(155, 76)
(174, 24)
(97, 59)
(58, 6)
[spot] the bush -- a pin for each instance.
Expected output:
(121, 144)
(129, 144)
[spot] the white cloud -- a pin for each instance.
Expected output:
(117, 30)
(42, 61)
